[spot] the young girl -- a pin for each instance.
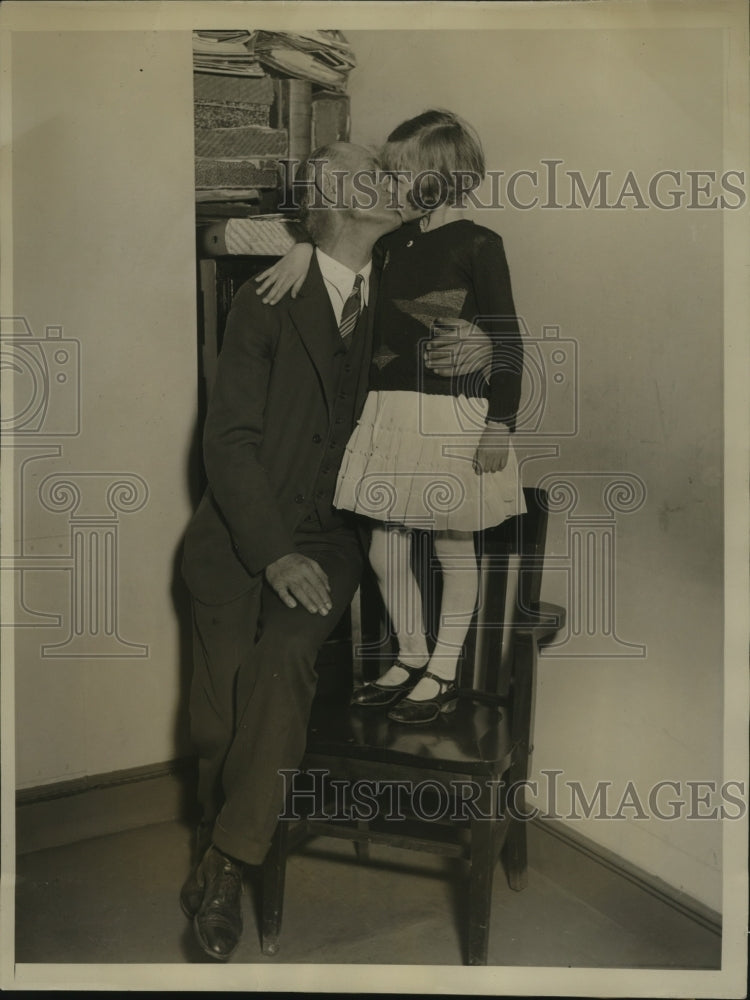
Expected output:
(429, 452)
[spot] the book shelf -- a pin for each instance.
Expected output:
(263, 101)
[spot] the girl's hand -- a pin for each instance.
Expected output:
(287, 273)
(493, 448)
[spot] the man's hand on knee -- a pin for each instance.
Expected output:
(295, 578)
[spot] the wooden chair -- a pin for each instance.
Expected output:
(482, 748)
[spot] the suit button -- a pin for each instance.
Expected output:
(347, 368)
(299, 498)
(317, 438)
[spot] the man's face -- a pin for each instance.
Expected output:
(368, 193)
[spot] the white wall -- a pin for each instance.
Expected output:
(641, 293)
(104, 247)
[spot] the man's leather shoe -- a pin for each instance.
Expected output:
(218, 920)
(191, 894)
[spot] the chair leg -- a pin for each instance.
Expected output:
(516, 863)
(362, 847)
(274, 873)
(522, 729)
(483, 860)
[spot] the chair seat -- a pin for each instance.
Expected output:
(474, 739)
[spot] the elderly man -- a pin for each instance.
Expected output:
(270, 563)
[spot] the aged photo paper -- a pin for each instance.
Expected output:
(617, 174)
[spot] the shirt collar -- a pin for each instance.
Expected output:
(342, 277)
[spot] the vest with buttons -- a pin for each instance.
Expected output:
(319, 513)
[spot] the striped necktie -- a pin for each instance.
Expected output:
(351, 311)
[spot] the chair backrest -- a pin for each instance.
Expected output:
(510, 558)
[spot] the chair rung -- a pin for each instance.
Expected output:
(485, 697)
(405, 841)
(297, 832)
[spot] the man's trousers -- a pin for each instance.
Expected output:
(254, 680)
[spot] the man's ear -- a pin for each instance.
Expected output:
(330, 188)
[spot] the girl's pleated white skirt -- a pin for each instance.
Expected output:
(410, 461)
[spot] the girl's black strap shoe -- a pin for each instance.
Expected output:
(419, 712)
(375, 695)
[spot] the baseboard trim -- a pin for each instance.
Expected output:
(652, 884)
(66, 812)
(181, 767)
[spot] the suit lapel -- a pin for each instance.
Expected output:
(363, 382)
(312, 315)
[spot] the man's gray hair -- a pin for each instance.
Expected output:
(314, 203)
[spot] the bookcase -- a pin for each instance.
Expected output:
(218, 281)
(249, 116)
(262, 102)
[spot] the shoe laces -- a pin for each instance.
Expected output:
(226, 883)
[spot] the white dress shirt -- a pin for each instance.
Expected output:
(339, 281)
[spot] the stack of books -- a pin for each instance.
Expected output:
(262, 101)
(225, 52)
(323, 57)
(236, 150)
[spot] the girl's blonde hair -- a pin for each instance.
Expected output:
(441, 147)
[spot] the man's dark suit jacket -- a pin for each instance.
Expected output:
(273, 391)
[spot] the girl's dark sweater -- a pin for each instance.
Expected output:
(456, 271)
